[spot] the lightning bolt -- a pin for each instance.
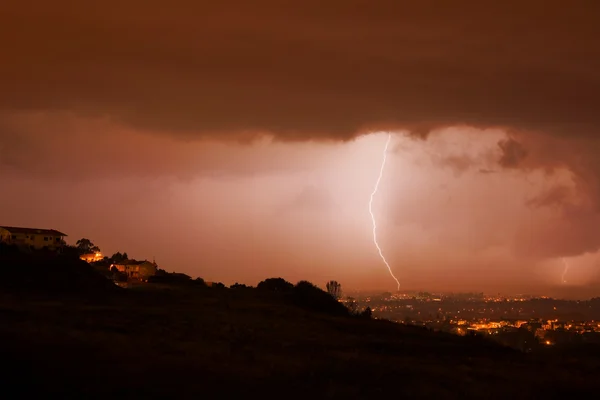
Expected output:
(565, 270)
(387, 143)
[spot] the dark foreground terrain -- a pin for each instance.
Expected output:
(160, 341)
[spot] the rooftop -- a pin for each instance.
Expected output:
(132, 262)
(33, 231)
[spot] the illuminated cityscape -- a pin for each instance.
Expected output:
(524, 322)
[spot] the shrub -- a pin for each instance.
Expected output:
(240, 286)
(277, 285)
(171, 278)
(199, 281)
(366, 313)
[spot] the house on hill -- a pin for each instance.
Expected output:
(32, 238)
(140, 270)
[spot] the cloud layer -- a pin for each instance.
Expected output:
(307, 70)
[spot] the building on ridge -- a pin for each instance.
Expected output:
(139, 270)
(32, 238)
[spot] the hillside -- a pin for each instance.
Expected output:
(159, 341)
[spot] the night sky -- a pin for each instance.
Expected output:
(240, 140)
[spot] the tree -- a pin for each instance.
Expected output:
(85, 246)
(279, 285)
(367, 312)
(199, 281)
(119, 258)
(239, 286)
(334, 289)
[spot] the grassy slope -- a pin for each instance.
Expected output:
(185, 344)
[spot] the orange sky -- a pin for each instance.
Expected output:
(237, 141)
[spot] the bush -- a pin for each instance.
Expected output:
(199, 281)
(171, 278)
(240, 286)
(366, 313)
(276, 285)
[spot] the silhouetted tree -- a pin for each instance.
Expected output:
(199, 281)
(367, 313)
(334, 289)
(279, 285)
(85, 246)
(239, 286)
(71, 251)
(119, 258)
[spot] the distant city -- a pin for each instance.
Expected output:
(523, 321)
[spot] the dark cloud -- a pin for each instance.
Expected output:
(62, 146)
(309, 69)
(513, 153)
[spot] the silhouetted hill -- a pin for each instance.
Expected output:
(51, 274)
(186, 341)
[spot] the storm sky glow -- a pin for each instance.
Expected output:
(235, 145)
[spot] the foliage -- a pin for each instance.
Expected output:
(278, 285)
(240, 286)
(119, 257)
(70, 251)
(334, 289)
(199, 281)
(173, 278)
(367, 313)
(85, 246)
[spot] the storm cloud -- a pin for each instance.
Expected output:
(307, 69)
